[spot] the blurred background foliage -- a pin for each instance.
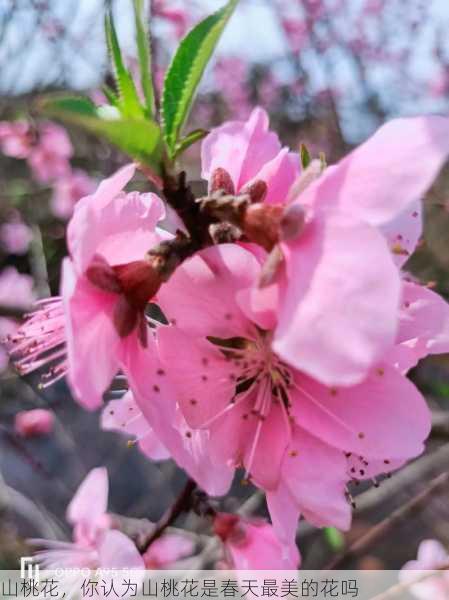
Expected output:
(329, 72)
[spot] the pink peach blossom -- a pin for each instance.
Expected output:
(265, 414)
(344, 270)
(95, 544)
(176, 17)
(16, 138)
(34, 423)
(432, 556)
(15, 236)
(16, 289)
(94, 317)
(229, 73)
(49, 157)
(339, 280)
(108, 237)
(249, 152)
(68, 190)
(251, 544)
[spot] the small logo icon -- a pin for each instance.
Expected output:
(28, 570)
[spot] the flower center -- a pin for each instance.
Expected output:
(259, 377)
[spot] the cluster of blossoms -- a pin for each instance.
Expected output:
(47, 150)
(283, 348)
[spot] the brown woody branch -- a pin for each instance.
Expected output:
(375, 533)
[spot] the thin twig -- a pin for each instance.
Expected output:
(389, 522)
(182, 504)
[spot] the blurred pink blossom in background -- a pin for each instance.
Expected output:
(16, 138)
(251, 544)
(68, 190)
(34, 423)
(49, 158)
(94, 544)
(15, 236)
(432, 555)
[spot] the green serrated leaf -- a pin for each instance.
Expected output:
(188, 140)
(186, 70)
(129, 99)
(139, 138)
(334, 538)
(144, 53)
(305, 156)
(76, 105)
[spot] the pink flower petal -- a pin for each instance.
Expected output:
(118, 552)
(190, 449)
(200, 374)
(364, 418)
(207, 284)
(103, 223)
(284, 513)
(381, 178)
(92, 341)
(338, 311)
(314, 475)
(124, 416)
(90, 502)
(168, 549)
(279, 174)
(403, 232)
(259, 548)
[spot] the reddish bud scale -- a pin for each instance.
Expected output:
(261, 224)
(139, 282)
(34, 423)
(221, 180)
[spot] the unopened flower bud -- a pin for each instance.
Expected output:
(34, 423)
(256, 191)
(226, 526)
(261, 224)
(221, 180)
